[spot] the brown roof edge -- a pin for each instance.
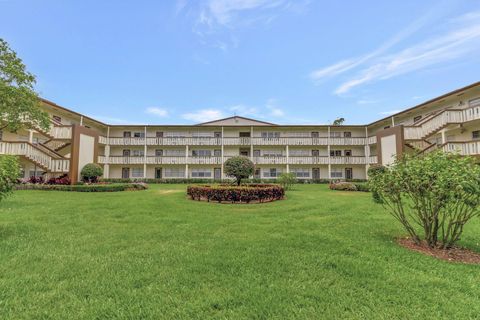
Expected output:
(244, 118)
(428, 101)
(53, 104)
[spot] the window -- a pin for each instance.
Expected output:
(127, 134)
(57, 119)
(256, 153)
(301, 172)
(217, 134)
(476, 134)
(336, 173)
(271, 173)
(386, 127)
(474, 102)
(335, 153)
(217, 153)
(347, 134)
(139, 134)
(270, 135)
(201, 153)
(244, 134)
(159, 134)
(158, 153)
(174, 173)
(348, 153)
(417, 118)
(138, 153)
(202, 134)
(300, 153)
(335, 134)
(315, 134)
(175, 134)
(272, 153)
(137, 172)
(33, 173)
(201, 173)
(174, 153)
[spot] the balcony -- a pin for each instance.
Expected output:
(348, 160)
(307, 160)
(235, 141)
(464, 148)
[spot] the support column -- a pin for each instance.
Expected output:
(288, 159)
(328, 153)
(81, 120)
(30, 136)
(186, 162)
(145, 153)
(251, 143)
(106, 167)
(367, 153)
(444, 139)
(222, 159)
(393, 121)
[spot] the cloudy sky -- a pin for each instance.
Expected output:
(283, 61)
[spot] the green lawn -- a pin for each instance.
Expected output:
(153, 254)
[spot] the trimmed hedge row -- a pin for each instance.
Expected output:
(349, 186)
(114, 187)
(208, 181)
(236, 194)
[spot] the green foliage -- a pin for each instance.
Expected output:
(236, 194)
(239, 167)
(9, 172)
(338, 121)
(91, 172)
(287, 180)
(19, 103)
(437, 193)
(114, 187)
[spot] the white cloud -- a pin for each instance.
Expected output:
(244, 110)
(389, 113)
(346, 65)
(204, 115)
(275, 111)
(455, 44)
(159, 112)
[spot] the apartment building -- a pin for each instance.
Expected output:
(450, 122)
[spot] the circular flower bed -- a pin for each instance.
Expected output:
(251, 193)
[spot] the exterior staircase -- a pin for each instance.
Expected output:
(37, 155)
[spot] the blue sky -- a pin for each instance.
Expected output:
(162, 62)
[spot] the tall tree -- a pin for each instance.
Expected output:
(338, 121)
(19, 103)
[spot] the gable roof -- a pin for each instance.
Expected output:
(236, 121)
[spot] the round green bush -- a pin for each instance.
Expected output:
(91, 172)
(239, 167)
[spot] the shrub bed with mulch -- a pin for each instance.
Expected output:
(349, 186)
(114, 187)
(250, 193)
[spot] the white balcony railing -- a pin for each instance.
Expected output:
(348, 160)
(36, 155)
(61, 132)
(234, 141)
(469, 148)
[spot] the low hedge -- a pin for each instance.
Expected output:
(114, 187)
(349, 186)
(236, 194)
(208, 181)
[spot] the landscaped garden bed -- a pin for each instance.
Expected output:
(250, 193)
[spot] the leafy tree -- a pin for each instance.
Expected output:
(19, 103)
(91, 172)
(9, 172)
(338, 121)
(287, 180)
(239, 167)
(435, 194)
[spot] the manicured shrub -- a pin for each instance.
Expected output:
(432, 196)
(62, 180)
(236, 194)
(361, 186)
(36, 180)
(287, 180)
(91, 172)
(114, 187)
(239, 168)
(342, 186)
(9, 172)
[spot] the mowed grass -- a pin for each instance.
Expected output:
(153, 254)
